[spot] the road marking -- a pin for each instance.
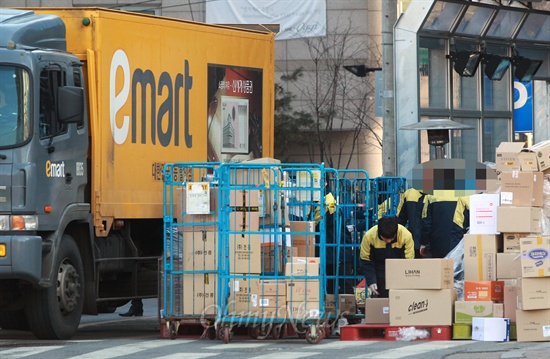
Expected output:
(129, 349)
(340, 344)
(188, 355)
(292, 355)
(23, 352)
(412, 350)
(235, 345)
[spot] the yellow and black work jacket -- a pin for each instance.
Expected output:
(461, 220)
(409, 213)
(375, 251)
(437, 223)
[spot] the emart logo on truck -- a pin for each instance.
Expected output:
(161, 122)
(55, 169)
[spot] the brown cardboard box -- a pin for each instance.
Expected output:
(244, 253)
(466, 310)
(521, 188)
(480, 252)
(512, 219)
(508, 265)
(534, 293)
(273, 287)
(244, 221)
(200, 293)
(536, 157)
(507, 156)
(535, 256)
(305, 243)
(304, 310)
(511, 241)
(377, 311)
(427, 273)
(303, 290)
(243, 297)
(271, 301)
(422, 307)
(301, 269)
(484, 290)
(498, 310)
(533, 325)
(268, 256)
(346, 304)
(510, 301)
(195, 222)
(200, 250)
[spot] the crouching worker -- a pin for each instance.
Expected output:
(386, 240)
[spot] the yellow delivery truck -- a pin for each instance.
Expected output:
(93, 103)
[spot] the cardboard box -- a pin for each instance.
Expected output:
(301, 269)
(492, 290)
(271, 234)
(200, 250)
(483, 213)
(507, 156)
(534, 293)
(512, 219)
(480, 252)
(535, 256)
(268, 257)
(273, 287)
(421, 307)
(346, 304)
(377, 311)
(508, 265)
(304, 310)
(303, 290)
(204, 202)
(521, 188)
(304, 242)
(511, 241)
(426, 273)
(498, 310)
(244, 254)
(466, 310)
(491, 329)
(199, 293)
(244, 296)
(271, 301)
(533, 325)
(536, 157)
(510, 301)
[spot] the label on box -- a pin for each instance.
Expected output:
(506, 197)
(546, 330)
(197, 199)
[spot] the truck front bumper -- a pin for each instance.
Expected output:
(23, 259)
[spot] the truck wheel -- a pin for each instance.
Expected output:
(54, 312)
(13, 320)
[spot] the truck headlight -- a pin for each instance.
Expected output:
(18, 223)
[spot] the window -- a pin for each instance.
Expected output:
(50, 80)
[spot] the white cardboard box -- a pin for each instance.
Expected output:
(491, 329)
(483, 213)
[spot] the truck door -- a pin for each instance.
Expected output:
(63, 159)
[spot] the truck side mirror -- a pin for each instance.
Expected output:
(70, 104)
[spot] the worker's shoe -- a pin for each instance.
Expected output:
(132, 312)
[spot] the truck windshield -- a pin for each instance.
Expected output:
(15, 119)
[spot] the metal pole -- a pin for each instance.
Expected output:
(389, 18)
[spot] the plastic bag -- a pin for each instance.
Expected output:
(457, 255)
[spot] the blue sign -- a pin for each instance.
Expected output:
(523, 106)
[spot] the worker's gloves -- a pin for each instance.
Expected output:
(423, 250)
(373, 290)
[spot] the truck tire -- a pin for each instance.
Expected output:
(13, 320)
(54, 312)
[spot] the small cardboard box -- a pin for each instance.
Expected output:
(535, 256)
(511, 241)
(202, 299)
(303, 290)
(492, 290)
(427, 273)
(301, 269)
(346, 304)
(507, 156)
(508, 265)
(205, 203)
(491, 329)
(377, 311)
(245, 254)
(304, 242)
(521, 188)
(480, 252)
(512, 219)
(510, 301)
(534, 293)
(536, 157)
(304, 310)
(466, 310)
(483, 213)
(422, 307)
(268, 256)
(533, 325)
(200, 250)
(273, 287)
(243, 299)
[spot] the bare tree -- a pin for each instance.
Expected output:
(340, 103)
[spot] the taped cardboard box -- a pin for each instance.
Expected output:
(492, 290)
(427, 273)
(507, 156)
(536, 157)
(533, 325)
(534, 293)
(535, 256)
(480, 252)
(466, 310)
(508, 265)
(422, 307)
(513, 219)
(521, 188)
